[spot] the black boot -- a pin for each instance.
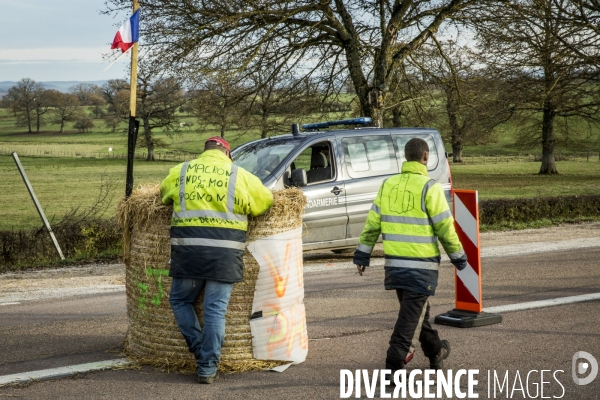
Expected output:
(438, 361)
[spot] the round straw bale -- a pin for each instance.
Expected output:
(153, 337)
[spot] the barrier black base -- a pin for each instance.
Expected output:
(467, 319)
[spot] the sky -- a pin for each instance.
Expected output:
(58, 40)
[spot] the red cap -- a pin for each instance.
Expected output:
(220, 141)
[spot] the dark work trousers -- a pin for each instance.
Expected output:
(412, 326)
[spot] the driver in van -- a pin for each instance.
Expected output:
(411, 213)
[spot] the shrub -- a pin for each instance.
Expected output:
(505, 212)
(81, 234)
(84, 124)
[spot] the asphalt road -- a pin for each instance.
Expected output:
(350, 319)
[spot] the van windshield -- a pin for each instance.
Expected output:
(261, 158)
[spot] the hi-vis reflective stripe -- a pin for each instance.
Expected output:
(429, 184)
(182, 186)
(228, 215)
(210, 213)
(364, 248)
(411, 264)
(441, 216)
(410, 238)
(405, 220)
(230, 244)
(375, 209)
(458, 255)
(231, 188)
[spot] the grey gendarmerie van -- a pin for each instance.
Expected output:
(339, 171)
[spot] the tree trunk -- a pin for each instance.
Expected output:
(264, 126)
(457, 151)
(452, 113)
(548, 163)
(28, 111)
(149, 140)
(37, 122)
(396, 115)
(62, 126)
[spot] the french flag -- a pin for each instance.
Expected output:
(128, 33)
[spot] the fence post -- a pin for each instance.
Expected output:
(37, 204)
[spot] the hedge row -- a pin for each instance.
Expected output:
(503, 212)
(96, 238)
(79, 240)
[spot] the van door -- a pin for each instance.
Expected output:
(325, 216)
(369, 160)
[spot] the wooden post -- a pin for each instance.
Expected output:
(37, 204)
(133, 123)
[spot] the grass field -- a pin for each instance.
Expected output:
(64, 174)
(64, 183)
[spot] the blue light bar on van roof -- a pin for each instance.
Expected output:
(327, 124)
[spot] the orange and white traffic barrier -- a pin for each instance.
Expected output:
(466, 222)
(468, 296)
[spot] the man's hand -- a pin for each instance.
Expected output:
(361, 269)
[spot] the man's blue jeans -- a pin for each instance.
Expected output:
(205, 345)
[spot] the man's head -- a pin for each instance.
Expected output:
(217, 143)
(417, 150)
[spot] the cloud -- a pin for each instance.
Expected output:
(52, 54)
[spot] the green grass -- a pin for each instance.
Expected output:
(521, 179)
(63, 178)
(63, 183)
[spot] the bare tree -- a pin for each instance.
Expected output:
(66, 108)
(277, 98)
(333, 38)
(159, 98)
(42, 103)
(23, 97)
(116, 94)
(218, 101)
(475, 97)
(85, 92)
(541, 53)
(97, 101)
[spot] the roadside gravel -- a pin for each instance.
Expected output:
(110, 278)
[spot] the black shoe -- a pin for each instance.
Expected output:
(394, 365)
(438, 361)
(207, 380)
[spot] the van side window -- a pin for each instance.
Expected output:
(369, 156)
(316, 160)
(401, 140)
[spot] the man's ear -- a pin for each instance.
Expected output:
(425, 157)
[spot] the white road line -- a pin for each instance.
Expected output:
(62, 372)
(543, 303)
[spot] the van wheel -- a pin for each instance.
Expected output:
(342, 251)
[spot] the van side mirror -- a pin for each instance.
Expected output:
(299, 177)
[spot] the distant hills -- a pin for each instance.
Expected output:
(61, 86)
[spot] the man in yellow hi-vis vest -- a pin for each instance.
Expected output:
(211, 199)
(411, 213)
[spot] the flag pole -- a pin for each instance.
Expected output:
(133, 123)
